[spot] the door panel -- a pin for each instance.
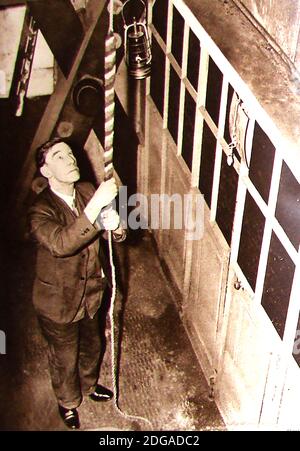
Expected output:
(204, 303)
(247, 357)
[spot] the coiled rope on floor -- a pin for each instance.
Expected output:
(109, 110)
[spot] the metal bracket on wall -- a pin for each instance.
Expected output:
(238, 127)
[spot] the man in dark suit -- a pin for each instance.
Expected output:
(64, 222)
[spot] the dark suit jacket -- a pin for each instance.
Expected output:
(64, 242)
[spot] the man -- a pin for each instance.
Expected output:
(69, 283)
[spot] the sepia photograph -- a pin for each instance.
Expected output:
(149, 227)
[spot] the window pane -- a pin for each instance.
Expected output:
(188, 129)
(261, 163)
(157, 89)
(227, 136)
(160, 18)
(288, 203)
(214, 91)
(278, 284)
(177, 36)
(208, 153)
(174, 97)
(251, 239)
(193, 60)
(227, 198)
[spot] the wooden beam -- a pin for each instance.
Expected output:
(55, 108)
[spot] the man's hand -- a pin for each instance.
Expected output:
(109, 218)
(106, 192)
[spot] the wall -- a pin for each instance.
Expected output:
(11, 20)
(238, 282)
(281, 21)
(41, 78)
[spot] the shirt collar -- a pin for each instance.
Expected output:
(69, 200)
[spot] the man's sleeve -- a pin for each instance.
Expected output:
(61, 241)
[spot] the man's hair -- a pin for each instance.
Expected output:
(41, 151)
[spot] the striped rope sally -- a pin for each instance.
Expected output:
(109, 102)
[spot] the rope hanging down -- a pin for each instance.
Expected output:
(109, 109)
(109, 105)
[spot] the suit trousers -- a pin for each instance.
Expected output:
(74, 357)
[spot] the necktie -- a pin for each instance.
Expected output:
(74, 207)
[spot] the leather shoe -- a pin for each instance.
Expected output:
(70, 417)
(101, 394)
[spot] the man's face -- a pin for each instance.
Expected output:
(61, 164)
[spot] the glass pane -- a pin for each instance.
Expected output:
(193, 60)
(174, 97)
(214, 91)
(160, 18)
(177, 36)
(208, 154)
(227, 136)
(251, 239)
(261, 163)
(157, 89)
(227, 199)
(278, 284)
(287, 210)
(188, 129)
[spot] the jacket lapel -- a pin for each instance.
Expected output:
(61, 207)
(82, 197)
(63, 211)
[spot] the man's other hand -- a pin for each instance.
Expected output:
(106, 192)
(104, 195)
(109, 218)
